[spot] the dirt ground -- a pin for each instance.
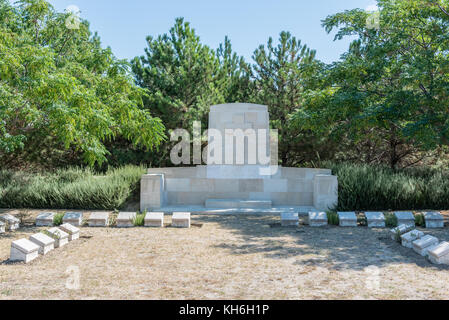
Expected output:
(228, 257)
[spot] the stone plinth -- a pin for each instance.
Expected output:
(23, 250)
(317, 219)
(289, 219)
(73, 218)
(406, 218)
(152, 188)
(61, 238)
(99, 219)
(434, 220)
(325, 192)
(439, 254)
(400, 230)
(423, 245)
(45, 243)
(408, 238)
(347, 219)
(12, 223)
(181, 220)
(2, 227)
(45, 219)
(72, 231)
(154, 219)
(375, 219)
(126, 219)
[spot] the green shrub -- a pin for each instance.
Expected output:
(57, 219)
(139, 220)
(419, 220)
(332, 218)
(391, 221)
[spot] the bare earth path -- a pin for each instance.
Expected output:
(229, 257)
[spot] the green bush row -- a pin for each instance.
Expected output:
(70, 189)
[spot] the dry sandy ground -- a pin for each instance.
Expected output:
(229, 257)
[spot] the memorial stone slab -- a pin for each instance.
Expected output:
(12, 223)
(74, 218)
(126, 219)
(317, 219)
(24, 250)
(375, 219)
(421, 246)
(72, 231)
(61, 238)
(289, 219)
(154, 219)
(434, 220)
(181, 220)
(400, 230)
(98, 219)
(45, 243)
(439, 254)
(405, 218)
(45, 219)
(409, 237)
(347, 219)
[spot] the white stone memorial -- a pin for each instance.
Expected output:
(375, 219)
(23, 250)
(61, 238)
(98, 219)
(400, 230)
(2, 227)
(45, 243)
(423, 245)
(318, 219)
(406, 218)
(154, 219)
(45, 219)
(439, 254)
(434, 220)
(74, 218)
(72, 231)
(126, 219)
(181, 220)
(246, 178)
(408, 238)
(290, 219)
(347, 219)
(12, 223)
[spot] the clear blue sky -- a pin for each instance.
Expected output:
(124, 25)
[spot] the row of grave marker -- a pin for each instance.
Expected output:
(374, 219)
(425, 245)
(26, 250)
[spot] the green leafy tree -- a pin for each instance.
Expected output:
(282, 73)
(58, 86)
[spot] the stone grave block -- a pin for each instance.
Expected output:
(406, 218)
(45, 219)
(434, 220)
(45, 243)
(401, 229)
(408, 238)
(181, 220)
(61, 238)
(72, 231)
(375, 219)
(24, 250)
(290, 219)
(12, 223)
(98, 219)
(126, 219)
(154, 219)
(347, 219)
(421, 246)
(2, 227)
(74, 218)
(439, 254)
(317, 219)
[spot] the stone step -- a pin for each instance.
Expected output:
(238, 204)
